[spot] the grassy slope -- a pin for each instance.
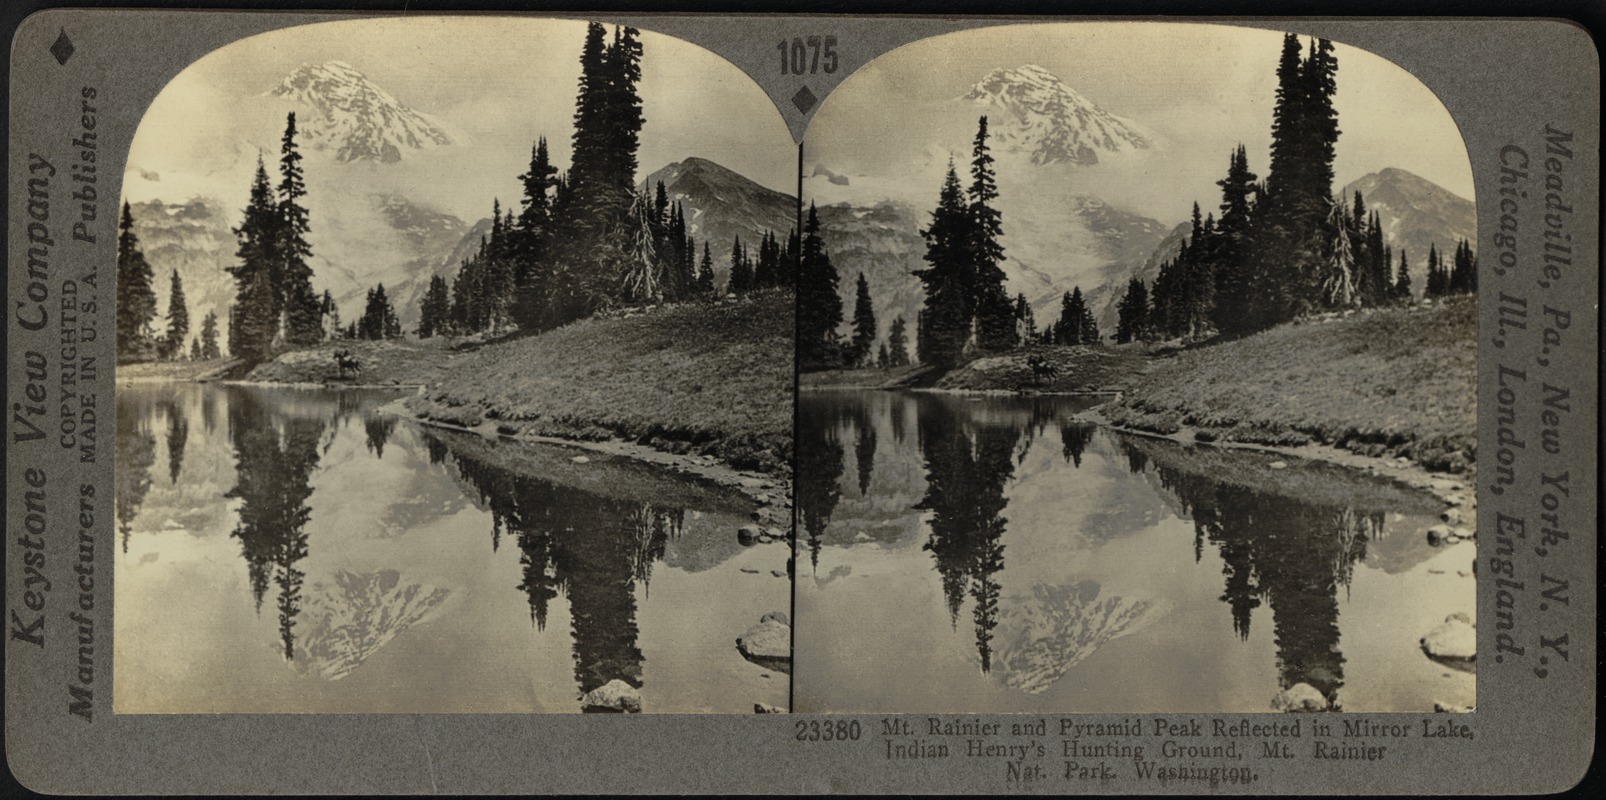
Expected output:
(713, 379)
(1393, 382)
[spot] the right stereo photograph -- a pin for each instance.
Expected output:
(1137, 375)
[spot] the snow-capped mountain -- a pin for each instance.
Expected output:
(345, 621)
(1031, 111)
(1416, 213)
(721, 204)
(350, 116)
(366, 239)
(1043, 635)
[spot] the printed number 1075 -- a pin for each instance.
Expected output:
(805, 55)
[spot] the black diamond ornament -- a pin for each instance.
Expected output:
(62, 49)
(804, 99)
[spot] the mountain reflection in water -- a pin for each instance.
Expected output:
(410, 570)
(1005, 557)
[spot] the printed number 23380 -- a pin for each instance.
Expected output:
(830, 730)
(805, 55)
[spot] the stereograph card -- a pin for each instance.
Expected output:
(565, 403)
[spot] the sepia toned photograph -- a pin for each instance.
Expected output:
(455, 374)
(1137, 375)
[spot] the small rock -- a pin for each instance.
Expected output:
(581, 459)
(615, 696)
(1451, 516)
(777, 573)
(775, 533)
(754, 483)
(861, 536)
(1300, 697)
(750, 570)
(1464, 533)
(769, 643)
(763, 708)
(1439, 534)
(1455, 640)
(748, 534)
(1279, 465)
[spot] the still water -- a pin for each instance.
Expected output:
(286, 550)
(970, 554)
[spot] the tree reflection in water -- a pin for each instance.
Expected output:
(1291, 553)
(589, 548)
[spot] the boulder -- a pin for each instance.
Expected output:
(615, 696)
(769, 643)
(1439, 534)
(1453, 642)
(748, 534)
(1301, 697)
(1451, 516)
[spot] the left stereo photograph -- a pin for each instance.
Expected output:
(455, 374)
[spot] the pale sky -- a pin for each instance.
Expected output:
(1203, 88)
(498, 81)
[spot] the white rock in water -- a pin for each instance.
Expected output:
(769, 640)
(615, 695)
(1456, 638)
(1299, 697)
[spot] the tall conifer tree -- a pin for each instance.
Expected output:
(136, 300)
(819, 306)
(864, 324)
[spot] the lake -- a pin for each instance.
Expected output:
(290, 550)
(972, 554)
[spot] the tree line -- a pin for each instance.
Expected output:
(581, 241)
(137, 339)
(1284, 247)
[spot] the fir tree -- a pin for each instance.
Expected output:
(994, 313)
(883, 358)
(741, 274)
(1132, 312)
(178, 320)
(434, 311)
(195, 349)
(705, 273)
(303, 323)
(819, 307)
(864, 324)
(1402, 283)
(898, 344)
(379, 317)
(254, 317)
(136, 300)
(209, 348)
(944, 324)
